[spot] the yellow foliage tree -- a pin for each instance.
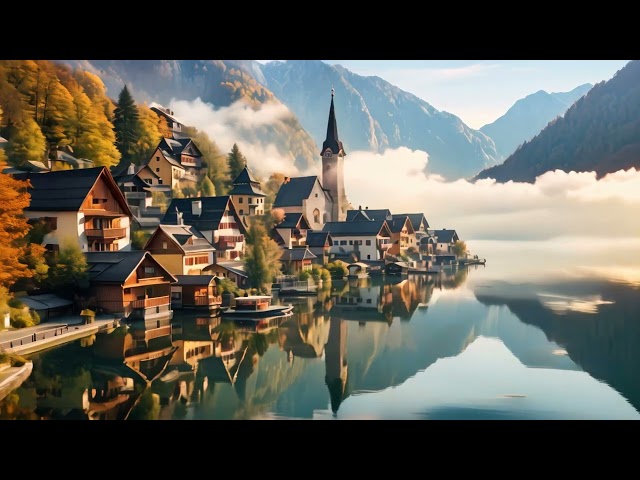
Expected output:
(150, 134)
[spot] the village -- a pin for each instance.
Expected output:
(195, 247)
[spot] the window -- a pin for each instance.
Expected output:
(316, 195)
(368, 257)
(240, 199)
(343, 242)
(51, 222)
(157, 169)
(368, 300)
(159, 181)
(127, 291)
(336, 242)
(368, 243)
(327, 153)
(148, 180)
(241, 212)
(350, 242)
(176, 295)
(316, 214)
(164, 245)
(149, 270)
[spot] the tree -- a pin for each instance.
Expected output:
(150, 134)
(262, 258)
(460, 248)
(68, 271)
(207, 188)
(159, 199)
(126, 123)
(271, 188)
(216, 161)
(26, 143)
(236, 162)
(13, 229)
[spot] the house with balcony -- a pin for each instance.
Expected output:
(247, 195)
(296, 260)
(292, 231)
(402, 235)
(305, 195)
(84, 204)
(196, 291)
(216, 218)
(319, 244)
(177, 163)
(445, 240)
(181, 249)
(365, 240)
(132, 284)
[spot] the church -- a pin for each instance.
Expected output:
(320, 200)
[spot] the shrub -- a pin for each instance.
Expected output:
(325, 275)
(21, 318)
(337, 270)
(303, 276)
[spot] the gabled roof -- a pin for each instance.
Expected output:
(294, 220)
(116, 267)
(367, 214)
(294, 190)
(213, 209)
(234, 267)
(332, 141)
(318, 239)
(445, 236)
(357, 215)
(159, 109)
(180, 235)
(195, 279)
(296, 254)
(343, 229)
(397, 224)
(415, 219)
(175, 146)
(246, 184)
(66, 190)
(245, 177)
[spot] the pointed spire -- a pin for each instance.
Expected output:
(332, 141)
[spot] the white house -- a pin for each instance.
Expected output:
(446, 239)
(368, 240)
(305, 195)
(83, 205)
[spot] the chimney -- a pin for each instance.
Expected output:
(366, 208)
(196, 208)
(131, 170)
(179, 217)
(359, 207)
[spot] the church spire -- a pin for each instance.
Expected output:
(332, 141)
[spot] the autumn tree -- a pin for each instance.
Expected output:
(68, 271)
(26, 143)
(460, 248)
(126, 123)
(262, 257)
(216, 161)
(271, 188)
(150, 134)
(206, 187)
(236, 162)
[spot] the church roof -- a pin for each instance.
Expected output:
(332, 141)
(294, 220)
(246, 184)
(294, 190)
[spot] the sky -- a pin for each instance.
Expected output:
(480, 91)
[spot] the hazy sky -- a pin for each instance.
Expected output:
(479, 91)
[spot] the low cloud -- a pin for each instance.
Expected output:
(241, 124)
(558, 204)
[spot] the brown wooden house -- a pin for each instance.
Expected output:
(195, 291)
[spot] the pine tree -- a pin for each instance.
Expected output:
(126, 123)
(236, 162)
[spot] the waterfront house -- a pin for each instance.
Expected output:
(445, 240)
(181, 249)
(366, 240)
(296, 260)
(130, 283)
(319, 243)
(418, 222)
(233, 270)
(306, 196)
(216, 218)
(195, 291)
(85, 205)
(177, 162)
(402, 235)
(292, 231)
(138, 192)
(247, 195)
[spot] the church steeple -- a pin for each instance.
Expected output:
(332, 141)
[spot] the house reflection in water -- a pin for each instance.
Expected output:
(305, 333)
(336, 363)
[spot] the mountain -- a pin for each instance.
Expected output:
(600, 132)
(374, 115)
(218, 82)
(528, 116)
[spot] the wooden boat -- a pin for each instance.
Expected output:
(256, 306)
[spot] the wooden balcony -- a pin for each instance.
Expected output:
(210, 300)
(150, 302)
(106, 233)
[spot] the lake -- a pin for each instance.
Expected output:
(546, 330)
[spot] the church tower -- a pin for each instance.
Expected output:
(333, 168)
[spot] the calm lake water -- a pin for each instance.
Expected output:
(533, 335)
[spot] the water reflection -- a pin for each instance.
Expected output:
(429, 346)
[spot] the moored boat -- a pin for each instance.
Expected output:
(256, 306)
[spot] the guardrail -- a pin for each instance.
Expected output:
(27, 339)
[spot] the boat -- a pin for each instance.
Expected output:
(256, 306)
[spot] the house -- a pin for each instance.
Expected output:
(181, 249)
(418, 222)
(305, 195)
(319, 243)
(195, 291)
(233, 270)
(402, 235)
(397, 268)
(175, 125)
(296, 260)
(150, 177)
(247, 195)
(428, 245)
(292, 231)
(177, 162)
(61, 159)
(85, 205)
(360, 215)
(132, 284)
(368, 240)
(216, 218)
(446, 239)
(319, 200)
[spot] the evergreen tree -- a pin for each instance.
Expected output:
(68, 271)
(262, 259)
(206, 188)
(126, 123)
(236, 162)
